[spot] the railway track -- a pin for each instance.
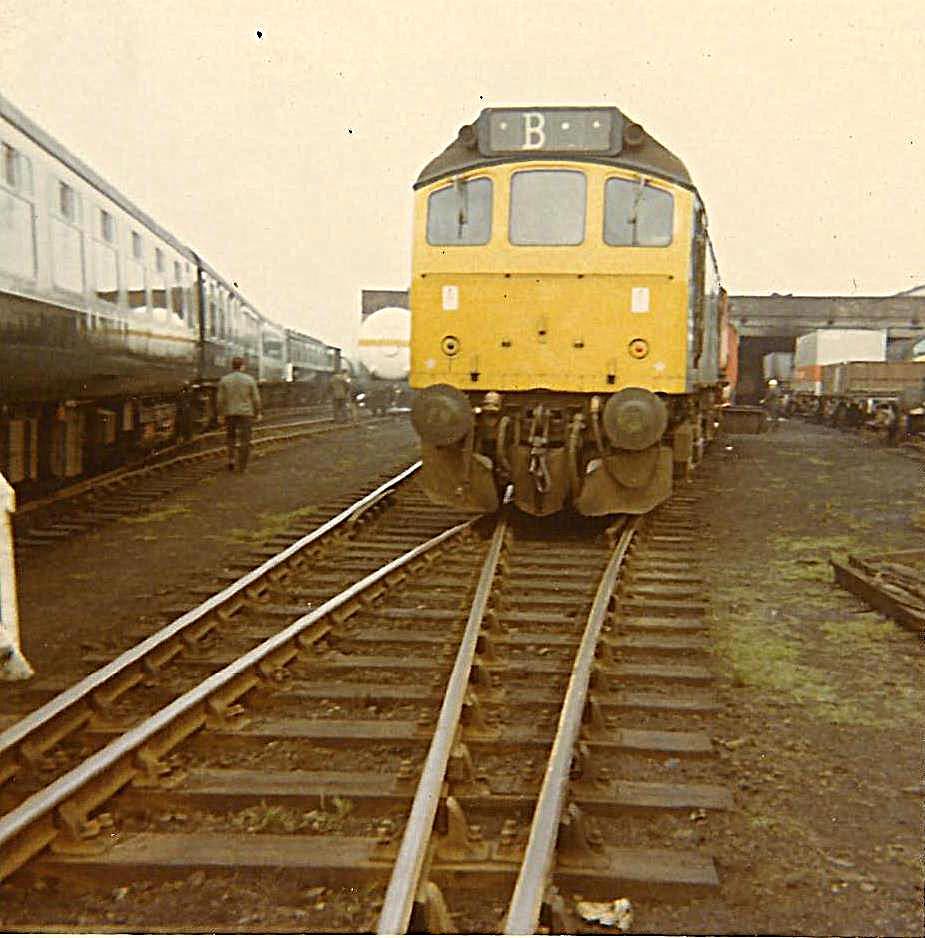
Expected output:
(459, 735)
(125, 492)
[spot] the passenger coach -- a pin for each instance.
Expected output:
(566, 314)
(110, 328)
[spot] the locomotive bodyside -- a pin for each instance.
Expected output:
(566, 315)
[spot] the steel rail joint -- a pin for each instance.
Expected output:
(409, 864)
(38, 806)
(526, 902)
(58, 705)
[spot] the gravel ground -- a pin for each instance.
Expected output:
(821, 731)
(821, 736)
(104, 582)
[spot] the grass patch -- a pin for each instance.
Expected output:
(270, 523)
(803, 571)
(766, 657)
(806, 559)
(279, 819)
(863, 631)
(152, 516)
(805, 548)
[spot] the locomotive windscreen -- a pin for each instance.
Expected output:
(551, 130)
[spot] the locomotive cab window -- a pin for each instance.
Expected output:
(548, 207)
(637, 214)
(460, 213)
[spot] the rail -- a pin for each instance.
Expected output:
(30, 827)
(58, 707)
(409, 864)
(524, 909)
(117, 477)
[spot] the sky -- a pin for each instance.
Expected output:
(286, 159)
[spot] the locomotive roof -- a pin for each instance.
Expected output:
(629, 145)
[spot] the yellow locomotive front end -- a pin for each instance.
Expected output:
(564, 333)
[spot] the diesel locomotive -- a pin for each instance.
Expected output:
(567, 315)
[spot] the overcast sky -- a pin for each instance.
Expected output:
(287, 160)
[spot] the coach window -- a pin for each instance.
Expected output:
(104, 260)
(67, 250)
(176, 290)
(188, 298)
(67, 202)
(637, 214)
(548, 207)
(17, 170)
(107, 227)
(10, 166)
(460, 213)
(135, 285)
(272, 346)
(17, 218)
(159, 285)
(210, 310)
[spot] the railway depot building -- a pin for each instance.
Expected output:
(772, 324)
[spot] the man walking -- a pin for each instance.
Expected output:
(340, 395)
(772, 404)
(239, 406)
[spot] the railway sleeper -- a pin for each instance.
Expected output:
(336, 861)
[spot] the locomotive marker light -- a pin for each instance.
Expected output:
(639, 348)
(633, 135)
(468, 136)
(634, 419)
(441, 415)
(450, 345)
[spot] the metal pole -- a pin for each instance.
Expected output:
(13, 666)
